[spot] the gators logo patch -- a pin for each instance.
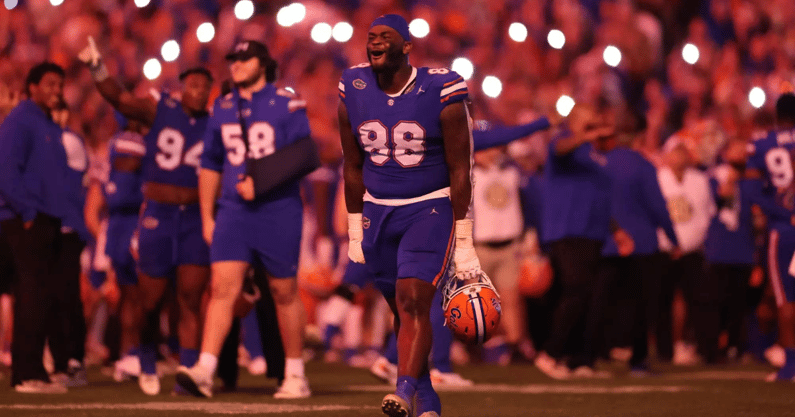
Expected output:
(150, 223)
(359, 84)
(365, 223)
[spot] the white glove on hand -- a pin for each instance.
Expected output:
(466, 261)
(91, 57)
(355, 237)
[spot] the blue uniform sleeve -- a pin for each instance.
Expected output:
(296, 125)
(655, 202)
(756, 158)
(453, 89)
(15, 146)
(767, 202)
(503, 135)
(213, 153)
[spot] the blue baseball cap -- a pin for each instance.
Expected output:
(396, 22)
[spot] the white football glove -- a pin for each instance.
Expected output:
(355, 237)
(465, 258)
(90, 56)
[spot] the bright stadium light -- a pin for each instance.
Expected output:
(321, 32)
(564, 105)
(419, 28)
(290, 89)
(463, 67)
(142, 3)
(170, 51)
(342, 32)
(290, 15)
(205, 32)
(556, 39)
(10, 4)
(612, 56)
(690, 53)
(56, 2)
(244, 9)
(152, 69)
(517, 32)
(492, 86)
(757, 97)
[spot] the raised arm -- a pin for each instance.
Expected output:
(92, 211)
(141, 109)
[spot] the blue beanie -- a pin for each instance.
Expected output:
(396, 22)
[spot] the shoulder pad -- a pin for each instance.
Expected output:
(362, 65)
(286, 93)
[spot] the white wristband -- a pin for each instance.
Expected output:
(355, 225)
(463, 233)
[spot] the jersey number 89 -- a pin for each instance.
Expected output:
(405, 143)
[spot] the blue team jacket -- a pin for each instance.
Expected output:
(637, 202)
(725, 246)
(576, 189)
(32, 172)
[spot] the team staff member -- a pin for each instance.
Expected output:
(33, 188)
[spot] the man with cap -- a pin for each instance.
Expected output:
(407, 143)
(253, 121)
(169, 234)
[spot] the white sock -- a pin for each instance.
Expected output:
(208, 361)
(294, 367)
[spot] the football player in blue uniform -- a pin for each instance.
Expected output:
(117, 191)
(772, 161)
(170, 231)
(249, 229)
(407, 142)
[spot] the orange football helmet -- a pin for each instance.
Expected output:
(472, 308)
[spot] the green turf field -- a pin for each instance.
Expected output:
(513, 391)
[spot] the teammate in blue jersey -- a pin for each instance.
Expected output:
(170, 231)
(117, 191)
(772, 161)
(249, 229)
(33, 192)
(406, 139)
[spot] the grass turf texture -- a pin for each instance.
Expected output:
(514, 391)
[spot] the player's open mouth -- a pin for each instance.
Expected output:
(377, 54)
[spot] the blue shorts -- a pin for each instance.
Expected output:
(411, 241)
(168, 236)
(120, 231)
(356, 275)
(270, 235)
(780, 254)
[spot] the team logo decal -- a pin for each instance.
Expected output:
(391, 102)
(365, 223)
(110, 188)
(227, 105)
(150, 223)
(359, 84)
(171, 103)
(246, 112)
(455, 314)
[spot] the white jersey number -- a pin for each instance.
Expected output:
(779, 165)
(405, 143)
(171, 144)
(76, 157)
(261, 137)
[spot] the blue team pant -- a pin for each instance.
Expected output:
(168, 236)
(780, 255)
(121, 227)
(410, 241)
(272, 236)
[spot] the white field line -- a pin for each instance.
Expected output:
(201, 407)
(541, 389)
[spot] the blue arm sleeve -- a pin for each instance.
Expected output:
(14, 148)
(498, 136)
(655, 202)
(213, 153)
(297, 126)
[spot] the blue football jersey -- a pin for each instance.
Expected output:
(401, 135)
(173, 146)
(274, 119)
(773, 155)
(122, 189)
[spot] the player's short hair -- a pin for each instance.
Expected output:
(196, 70)
(39, 71)
(785, 108)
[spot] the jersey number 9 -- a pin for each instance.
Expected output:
(779, 165)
